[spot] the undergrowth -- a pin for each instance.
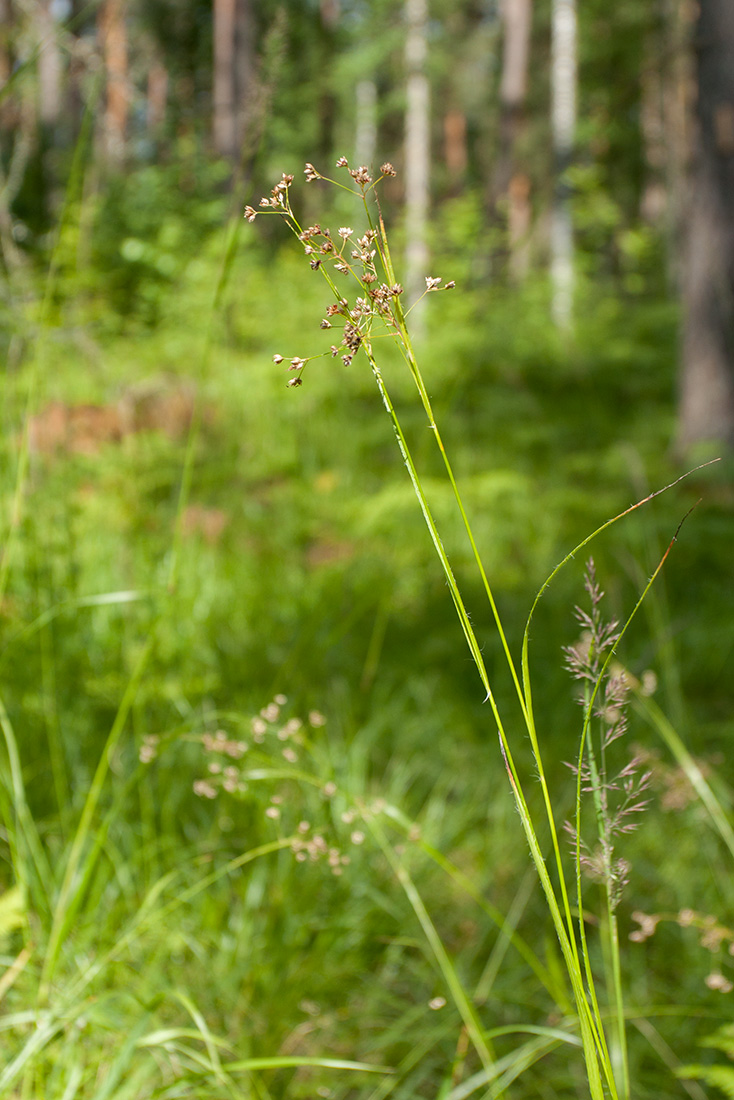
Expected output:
(258, 837)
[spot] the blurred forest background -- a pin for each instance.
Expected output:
(187, 544)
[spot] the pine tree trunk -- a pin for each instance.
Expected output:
(706, 411)
(510, 184)
(233, 72)
(417, 152)
(563, 101)
(113, 36)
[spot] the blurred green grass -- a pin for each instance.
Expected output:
(304, 569)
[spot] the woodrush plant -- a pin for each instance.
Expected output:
(366, 306)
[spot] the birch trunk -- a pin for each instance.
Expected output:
(563, 107)
(417, 153)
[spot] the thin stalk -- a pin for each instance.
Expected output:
(415, 371)
(464, 1006)
(649, 710)
(591, 1030)
(29, 860)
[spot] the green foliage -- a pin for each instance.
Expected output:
(718, 1076)
(161, 587)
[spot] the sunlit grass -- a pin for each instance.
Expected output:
(156, 942)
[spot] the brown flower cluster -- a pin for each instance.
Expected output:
(344, 255)
(713, 936)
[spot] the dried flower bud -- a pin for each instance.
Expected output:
(396, 289)
(325, 324)
(295, 381)
(297, 363)
(277, 358)
(432, 283)
(342, 162)
(311, 173)
(361, 175)
(718, 982)
(315, 264)
(250, 214)
(387, 169)
(345, 231)
(450, 284)
(264, 202)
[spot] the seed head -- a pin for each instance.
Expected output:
(387, 169)
(311, 173)
(361, 175)
(250, 213)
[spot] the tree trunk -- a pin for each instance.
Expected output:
(417, 152)
(225, 121)
(517, 18)
(563, 107)
(113, 36)
(49, 65)
(365, 138)
(707, 379)
(456, 155)
(157, 96)
(233, 72)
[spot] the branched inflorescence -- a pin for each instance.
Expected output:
(618, 797)
(360, 259)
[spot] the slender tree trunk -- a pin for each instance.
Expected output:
(113, 36)
(49, 65)
(517, 23)
(456, 154)
(417, 151)
(510, 184)
(707, 377)
(233, 74)
(225, 121)
(365, 138)
(244, 68)
(157, 96)
(563, 100)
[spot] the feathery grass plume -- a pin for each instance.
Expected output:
(617, 797)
